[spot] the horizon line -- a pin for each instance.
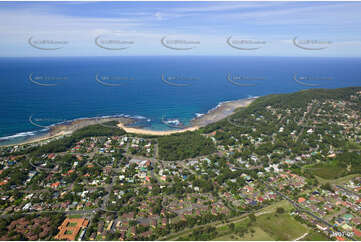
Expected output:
(178, 56)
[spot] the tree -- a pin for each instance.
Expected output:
(252, 217)
(280, 210)
(327, 186)
(231, 226)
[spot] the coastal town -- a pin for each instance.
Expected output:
(274, 170)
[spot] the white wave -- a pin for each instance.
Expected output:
(34, 133)
(139, 117)
(22, 134)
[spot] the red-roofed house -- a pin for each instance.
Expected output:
(51, 156)
(55, 184)
(357, 232)
(301, 200)
(69, 172)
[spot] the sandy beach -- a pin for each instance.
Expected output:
(43, 138)
(155, 132)
(218, 113)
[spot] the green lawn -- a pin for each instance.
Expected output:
(338, 181)
(75, 216)
(228, 237)
(328, 171)
(71, 224)
(315, 236)
(281, 226)
(258, 235)
(272, 208)
(345, 164)
(270, 226)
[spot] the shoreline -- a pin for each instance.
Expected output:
(155, 132)
(221, 111)
(68, 127)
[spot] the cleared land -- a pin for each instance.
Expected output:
(338, 181)
(281, 226)
(258, 235)
(315, 236)
(223, 229)
(267, 227)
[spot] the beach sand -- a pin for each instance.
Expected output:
(43, 138)
(155, 132)
(218, 113)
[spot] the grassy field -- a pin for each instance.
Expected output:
(344, 164)
(327, 171)
(315, 236)
(228, 237)
(281, 226)
(272, 208)
(337, 181)
(269, 226)
(76, 216)
(258, 235)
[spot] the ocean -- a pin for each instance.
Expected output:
(38, 92)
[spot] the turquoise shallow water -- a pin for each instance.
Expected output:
(51, 90)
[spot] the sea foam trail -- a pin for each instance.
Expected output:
(32, 134)
(23, 134)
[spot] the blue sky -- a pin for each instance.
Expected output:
(210, 24)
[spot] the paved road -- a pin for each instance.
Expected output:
(156, 151)
(308, 112)
(301, 237)
(348, 191)
(70, 212)
(42, 168)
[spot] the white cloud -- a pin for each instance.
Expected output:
(206, 24)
